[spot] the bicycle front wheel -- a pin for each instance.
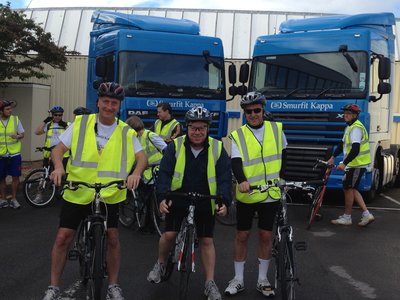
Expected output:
(38, 190)
(98, 262)
(315, 204)
(187, 259)
(286, 268)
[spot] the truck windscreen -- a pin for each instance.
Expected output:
(171, 75)
(312, 75)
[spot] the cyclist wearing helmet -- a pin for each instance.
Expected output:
(257, 150)
(53, 126)
(357, 157)
(166, 126)
(80, 110)
(10, 152)
(102, 150)
(193, 163)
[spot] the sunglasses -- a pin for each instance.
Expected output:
(255, 110)
(57, 115)
(199, 129)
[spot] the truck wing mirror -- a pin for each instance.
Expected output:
(244, 73)
(242, 90)
(232, 74)
(383, 88)
(384, 68)
(101, 66)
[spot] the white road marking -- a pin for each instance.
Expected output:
(390, 198)
(366, 290)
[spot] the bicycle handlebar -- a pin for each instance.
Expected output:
(323, 162)
(196, 196)
(41, 149)
(302, 185)
(74, 185)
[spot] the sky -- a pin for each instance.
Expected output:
(315, 6)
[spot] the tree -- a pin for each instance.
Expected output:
(25, 47)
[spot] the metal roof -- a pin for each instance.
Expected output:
(237, 29)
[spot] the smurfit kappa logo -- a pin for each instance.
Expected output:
(152, 103)
(276, 105)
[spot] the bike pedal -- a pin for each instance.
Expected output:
(300, 246)
(73, 254)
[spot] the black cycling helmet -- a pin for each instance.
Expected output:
(111, 89)
(354, 108)
(56, 109)
(80, 110)
(198, 113)
(6, 103)
(252, 98)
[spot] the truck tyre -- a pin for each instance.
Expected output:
(376, 184)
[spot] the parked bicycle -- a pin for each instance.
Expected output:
(183, 255)
(91, 239)
(283, 245)
(39, 190)
(141, 207)
(319, 193)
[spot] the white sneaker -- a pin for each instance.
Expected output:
(14, 204)
(342, 220)
(3, 203)
(235, 286)
(366, 220)
(265, 288)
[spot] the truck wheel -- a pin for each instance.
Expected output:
(376, 185)
(396, 178)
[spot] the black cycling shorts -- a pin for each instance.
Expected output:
(204, 220)
(352, 177)
(266, 215)
(72, 214)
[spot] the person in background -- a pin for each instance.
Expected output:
(257, 151)
(11, 134)
(166, 126)
(53, 126)
(357, 157)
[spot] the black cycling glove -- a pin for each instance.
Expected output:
(47, 120)
(63, 124)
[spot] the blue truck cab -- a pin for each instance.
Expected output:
(310, 70)
(157, 60)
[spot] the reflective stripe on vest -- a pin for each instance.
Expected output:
(214, 152)
(261, 163)
(47, 142)
(86, 164)
(7, 143)
(153, 154)
(364, 157)
(166, 131)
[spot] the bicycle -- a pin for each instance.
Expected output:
(91, 240)
(186, 241)
(283, 244)
(141, 206)
(39, 190)
(319, 193)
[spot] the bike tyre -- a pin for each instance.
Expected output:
(315, 205)
(286, 269)
(31, 187)
(156, 216)
(187, 259)
(127, 212)
(98, 262)
(83, 248)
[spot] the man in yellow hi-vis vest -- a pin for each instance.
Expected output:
(11, 133)
(53, 126)
(166, 126)
(357, 157)
(103, 149)
(193, 163)
(256, 159)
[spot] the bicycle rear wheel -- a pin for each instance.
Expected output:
(315, 204)
(127, 212)
(38, 190)
(187, 260)
(286, 269)
(98, 267)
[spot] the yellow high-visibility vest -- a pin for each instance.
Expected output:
(49, 135)
(166, 131)
(153, 154)
(364, 157)
(87, 164)
(7, 143)
(214, 152)
(261, 163)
